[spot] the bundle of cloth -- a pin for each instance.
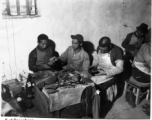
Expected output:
(52, 80)
(46, 79)
(69, 78)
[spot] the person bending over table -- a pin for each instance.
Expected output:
(76, 57)
(41, 58)
(107, 63)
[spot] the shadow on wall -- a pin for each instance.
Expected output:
(89, 48)
(52, 44)
(148, 36)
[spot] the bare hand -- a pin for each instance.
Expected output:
(46, 66)
(64, 67)
(101, 72)
(83, 75)
(93, 70)
(52, 59)
(67, 68)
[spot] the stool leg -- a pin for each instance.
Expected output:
(137, 96)
(147, 96)
(125, 89)
(134, 91)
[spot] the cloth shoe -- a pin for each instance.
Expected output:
(51, 86)
(51, 91)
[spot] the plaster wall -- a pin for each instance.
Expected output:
(61, 18)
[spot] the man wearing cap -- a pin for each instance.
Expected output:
(134, 40)
(75, 56)
(108, 62)
(131, 44)
(41, 58)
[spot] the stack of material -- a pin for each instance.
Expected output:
(43, 78)
(52, 88)
(46, 79)
(51, 81)
(69, 79)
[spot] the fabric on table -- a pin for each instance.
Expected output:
(96, 106)
(43, 78)
(42, 104)
(108, 91)
(101, 79)
(84, 108)
(65, 97)
(111, 92)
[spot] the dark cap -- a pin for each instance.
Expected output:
(78, 37)
(143, 28)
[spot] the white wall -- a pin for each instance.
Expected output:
(61, 18)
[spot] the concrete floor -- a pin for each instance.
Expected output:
(120, 110)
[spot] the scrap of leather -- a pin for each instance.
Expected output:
(43, 78)
(51, 91)
(51, 86)
(69, 79)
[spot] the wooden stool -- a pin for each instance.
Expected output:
(137, 89)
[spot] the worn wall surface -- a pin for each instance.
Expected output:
(61, 18)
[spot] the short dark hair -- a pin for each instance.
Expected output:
(79, 37)
(104, 42)
(42, 37)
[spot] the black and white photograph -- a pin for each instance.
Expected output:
(75, 59)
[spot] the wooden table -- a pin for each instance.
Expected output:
(83, 108)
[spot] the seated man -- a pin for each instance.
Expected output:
(142, 64)
(41, 58)
(75, 56)
(108, 60)
(141, 70)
